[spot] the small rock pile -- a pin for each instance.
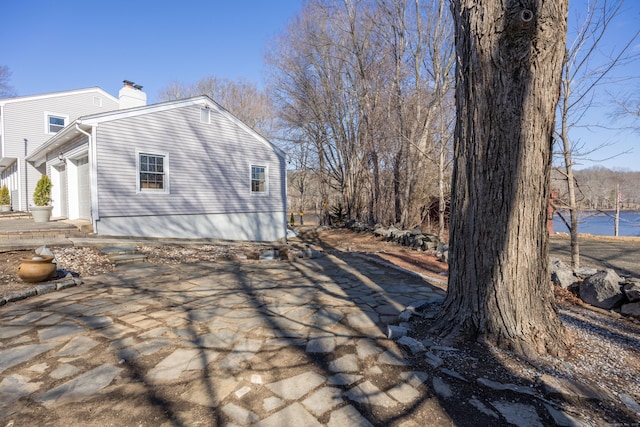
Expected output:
(600, 288)
(411, 238)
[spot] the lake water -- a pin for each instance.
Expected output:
(602, 223)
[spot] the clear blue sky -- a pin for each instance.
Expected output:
(69, 44)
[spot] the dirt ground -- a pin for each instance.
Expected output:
(606, 350)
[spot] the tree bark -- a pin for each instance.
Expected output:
(508, 76)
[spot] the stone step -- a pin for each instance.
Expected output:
(7, 236)
(128, 259)
(118, 250)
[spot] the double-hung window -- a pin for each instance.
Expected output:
(54, 123)
(153, 172)
(258, 179)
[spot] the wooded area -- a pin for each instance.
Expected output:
(365, 93)
(596, 188)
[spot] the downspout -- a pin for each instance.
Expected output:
(26, 178)
(93, 177)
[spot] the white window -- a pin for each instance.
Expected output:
(153, 172)
(205, 115)
(54, 123)
(97, 101)
(259, 179)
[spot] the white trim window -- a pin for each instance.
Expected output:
(54, 123)
(259, 182)
(152, 172)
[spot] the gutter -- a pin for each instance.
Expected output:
(95, 216)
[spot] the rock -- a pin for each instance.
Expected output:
(433, 360)
(269, 255)
(584, 272)
(395, 332)
(453, 374)
(630, 403)
(44, 250)
(417, 306)
(405, 316)
(518, 414)
(632, 290)
(561, 275)
(631, 309)
(482, 407)
(413, 345)
(570, 389)
(602, 290)
(441, 388)
(309, 253)
(500, 386)
(563, 419)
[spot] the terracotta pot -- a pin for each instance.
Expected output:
(36, 269)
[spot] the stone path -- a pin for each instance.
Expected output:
(227, 343)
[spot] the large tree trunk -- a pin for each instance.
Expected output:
(508, 76)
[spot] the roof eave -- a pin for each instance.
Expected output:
(39, 155)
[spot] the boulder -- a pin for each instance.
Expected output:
(584, 272)
(561, 275)
(602, 290)
(632, 290)
(631, 309)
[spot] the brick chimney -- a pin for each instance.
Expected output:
(131, 95)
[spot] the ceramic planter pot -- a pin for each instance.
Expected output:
(41, 213)
(36, 269)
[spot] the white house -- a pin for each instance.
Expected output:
(183, 169)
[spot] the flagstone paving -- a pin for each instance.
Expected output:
(227, 343)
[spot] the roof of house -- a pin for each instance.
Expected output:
(83, 124)
(4, 101)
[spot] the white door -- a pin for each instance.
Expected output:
(84, 188)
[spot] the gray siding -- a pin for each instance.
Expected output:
(25, 118)
(209, 166)
(262, 226)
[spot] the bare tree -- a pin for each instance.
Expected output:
(6, 90)
(364, 82)
(508, 78)
(579, 80)
(419, 36)
(243, 99)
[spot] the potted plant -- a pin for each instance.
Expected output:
(41, 212)
(5, 199)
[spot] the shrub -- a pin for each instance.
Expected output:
(42, 194)
(5, 198)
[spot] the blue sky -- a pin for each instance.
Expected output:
(69, 44)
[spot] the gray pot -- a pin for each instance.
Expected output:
(41, 213)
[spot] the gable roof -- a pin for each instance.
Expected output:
(4, 101)
(83, 124)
